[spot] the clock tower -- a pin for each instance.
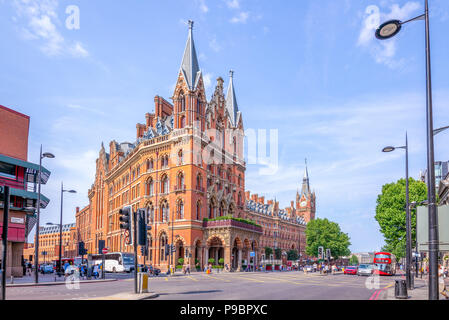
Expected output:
(305, 201)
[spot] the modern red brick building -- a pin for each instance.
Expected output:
(22, 177)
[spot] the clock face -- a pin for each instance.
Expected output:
(303, 204)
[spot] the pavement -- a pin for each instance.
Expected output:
(420, 291)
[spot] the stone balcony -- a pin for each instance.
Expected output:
(232, 224)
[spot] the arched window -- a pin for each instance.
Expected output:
(239, 202)
(150, 217)
(164, 185)
(199, 182)
(182, 123)
(180, 210)
(180, 181)
(150, 164)
(180, 157)
(234, 142)
(198, 210)
(211, 211)
(150, 187)
(163, 241)
(182, 102)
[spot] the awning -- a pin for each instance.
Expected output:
(32, 169)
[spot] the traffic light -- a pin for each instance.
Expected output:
(320, 253)
(141, 227)
(328, 253)
(126, 217)
(81, 248)
(167, 250)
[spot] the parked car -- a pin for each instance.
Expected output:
(351, 270)
(308, 268)
(46, 268)
(365, 270)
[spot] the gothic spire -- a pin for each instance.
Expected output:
(231, 101)
(189, 66)
(305, 190)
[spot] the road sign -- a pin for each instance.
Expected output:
(105, 250)
(252, 254)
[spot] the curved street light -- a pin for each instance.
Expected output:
(36, 241)
(408, 227)
(60, 226)
(385, 31)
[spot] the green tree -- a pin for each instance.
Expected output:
(326, 234)
(277, 253)
(390, 213)
(181, 261)
(292, 255)
(354, 260)
(268, 252)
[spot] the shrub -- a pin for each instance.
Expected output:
(181, 261)
(221, 261)
(211, 260)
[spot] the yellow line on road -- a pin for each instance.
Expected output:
(166, 279)
(211, 277)
(192, 278)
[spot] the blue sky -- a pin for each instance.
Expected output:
(311, 69)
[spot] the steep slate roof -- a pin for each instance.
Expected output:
(231, 102)
(189, 66)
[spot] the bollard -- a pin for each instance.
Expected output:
(12, 279)
(400, 290)
(142, 282)
(412, 283)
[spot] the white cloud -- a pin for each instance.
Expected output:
(78, 50)
(384, 51)
(207, 78)
(233, 4)
(203, 6)
(242, 17)
(213, 44)
(40, 24)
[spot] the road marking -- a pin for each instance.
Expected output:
(209, 276)
(192, 278)
(166, 279)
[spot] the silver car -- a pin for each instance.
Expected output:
(365, 270)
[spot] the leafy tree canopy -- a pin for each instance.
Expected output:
(292, 255)
(326, 234)
(354, 260)
(390, 213)
(268, 252)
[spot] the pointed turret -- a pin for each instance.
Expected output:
(231, 102)
(189, 66)
(305, 190)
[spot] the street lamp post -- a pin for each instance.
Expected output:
(413, 205)
(60, 226)
(385, 31)
(36, 241)
(408, 236)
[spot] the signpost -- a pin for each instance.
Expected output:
(103, 269)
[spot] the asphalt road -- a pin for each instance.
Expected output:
(224, 286)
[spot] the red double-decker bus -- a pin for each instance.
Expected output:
(384, 264)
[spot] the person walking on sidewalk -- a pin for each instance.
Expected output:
(442, 284)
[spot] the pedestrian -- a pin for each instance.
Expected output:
(29, 268)
(188, 269)
(95, 273)
(442, 284)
